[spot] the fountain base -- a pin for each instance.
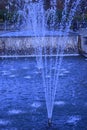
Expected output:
(49, 122)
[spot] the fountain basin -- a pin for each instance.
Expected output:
(82, 45)
(22, 43)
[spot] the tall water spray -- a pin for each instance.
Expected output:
(44, 23)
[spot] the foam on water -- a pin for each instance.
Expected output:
(4, 122)
(74, 119)
(36, 104)
(15, 112)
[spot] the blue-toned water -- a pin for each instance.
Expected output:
(22, 101)
(33, 19)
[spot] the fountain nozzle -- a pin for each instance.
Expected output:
(49, 122)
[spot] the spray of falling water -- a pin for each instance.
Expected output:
(41, 25)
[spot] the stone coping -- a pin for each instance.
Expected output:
(31, 56)
(30, 34)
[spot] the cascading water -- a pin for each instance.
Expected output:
(42, 23)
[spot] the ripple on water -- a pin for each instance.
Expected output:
(37, 72)
(12, 69)
(5, 73)
(39, 67)
(47, 76)
(25, 67)
(66, 72)
(73, 119)
(86, 104)
(4, 122)
(53, 68)
(15, 112)
(27, 77)
(12, 76)
(62, 69)
(59, 103)
(63, 73)
(36, 104)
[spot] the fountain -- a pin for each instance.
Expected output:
(36, 21)
(50, 66)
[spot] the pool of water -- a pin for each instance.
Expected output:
(22, 101)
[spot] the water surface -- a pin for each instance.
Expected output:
(22, 102)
